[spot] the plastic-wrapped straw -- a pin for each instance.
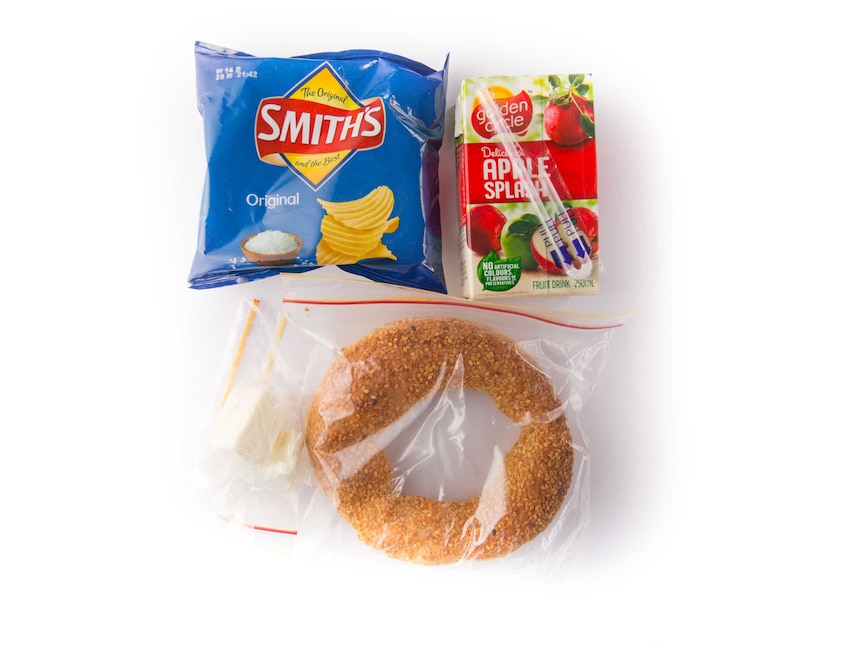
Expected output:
(551, 237)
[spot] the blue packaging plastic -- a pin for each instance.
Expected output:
(335, 155)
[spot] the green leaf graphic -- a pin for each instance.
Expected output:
(588, 126)
(498, 275)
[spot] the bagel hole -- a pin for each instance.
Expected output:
(446, 445)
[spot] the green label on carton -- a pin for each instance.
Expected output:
(499, 274)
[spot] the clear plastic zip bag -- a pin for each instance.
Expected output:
(434, 430)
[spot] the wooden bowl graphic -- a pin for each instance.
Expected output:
(282, 258)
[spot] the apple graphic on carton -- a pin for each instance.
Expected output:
(569, 117)
(484, 225)
(571, 122)
(544, 253)
(516, 239)
(575, 245)
(587, 222)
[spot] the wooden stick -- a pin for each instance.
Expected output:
(249, 320)
(279, 332)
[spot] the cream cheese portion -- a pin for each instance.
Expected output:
(249, 422)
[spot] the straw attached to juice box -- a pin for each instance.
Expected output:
(581, 265)
(559, 252)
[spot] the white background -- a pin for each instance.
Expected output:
(725, 433)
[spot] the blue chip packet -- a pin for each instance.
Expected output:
(321, 159)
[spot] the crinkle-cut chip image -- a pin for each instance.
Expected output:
(328, 256)
(352, 230)
(363, 212)
(349, 240)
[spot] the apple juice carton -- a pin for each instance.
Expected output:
(527, 186)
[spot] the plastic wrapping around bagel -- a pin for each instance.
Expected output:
(375, 381)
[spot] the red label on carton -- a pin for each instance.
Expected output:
(491, 177)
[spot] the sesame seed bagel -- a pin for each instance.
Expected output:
(374, 382)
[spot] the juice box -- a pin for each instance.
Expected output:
(526, 166)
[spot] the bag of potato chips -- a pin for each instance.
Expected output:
(315, 160)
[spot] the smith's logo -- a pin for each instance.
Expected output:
(317, 126)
